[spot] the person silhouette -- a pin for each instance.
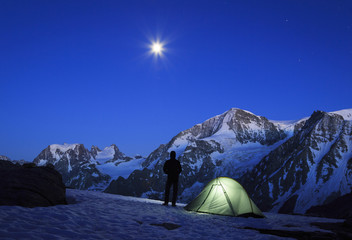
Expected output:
(172, 168)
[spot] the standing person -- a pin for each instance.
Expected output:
(172, 168)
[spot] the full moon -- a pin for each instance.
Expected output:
(157, 48)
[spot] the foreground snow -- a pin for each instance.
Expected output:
(95, 215)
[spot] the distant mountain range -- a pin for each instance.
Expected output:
(84, 169)
(5, 158)
(285, 166)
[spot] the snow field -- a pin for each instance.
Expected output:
(106, 154)
(124, 169)
(95, 215)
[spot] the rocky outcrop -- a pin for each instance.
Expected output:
(338, 208)
(118, 155)
(30, 186)
(94, 150)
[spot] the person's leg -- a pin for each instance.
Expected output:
(167, 191)
(174, 195)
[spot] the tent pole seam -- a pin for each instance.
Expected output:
(206, 197)
(228, 199)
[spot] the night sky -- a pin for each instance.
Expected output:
(82, 71)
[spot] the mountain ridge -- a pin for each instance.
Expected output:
(84, 169)
(230, 144)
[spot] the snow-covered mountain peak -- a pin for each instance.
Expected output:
(236, 114)
(63, 147)
(95, 148)
(234, 110)
(233, 123)
(233, 128)
(288, 124)
(110, 153)
(107, 153)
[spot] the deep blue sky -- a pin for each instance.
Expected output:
(79, 71)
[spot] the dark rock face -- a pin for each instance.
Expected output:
(338, 208)
(119, 155)
(94, 151)
(241, 125)
(136, 179)
(289, 205)
(30, 186)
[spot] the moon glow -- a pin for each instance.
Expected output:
(157, 48)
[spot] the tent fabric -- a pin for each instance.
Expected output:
(224, 196)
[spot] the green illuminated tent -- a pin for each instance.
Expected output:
(224, 196)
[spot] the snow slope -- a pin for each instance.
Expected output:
(345, 113)
(106, 154)
(95, 215)
(124, 169)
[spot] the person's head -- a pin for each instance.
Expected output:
(173, 155)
